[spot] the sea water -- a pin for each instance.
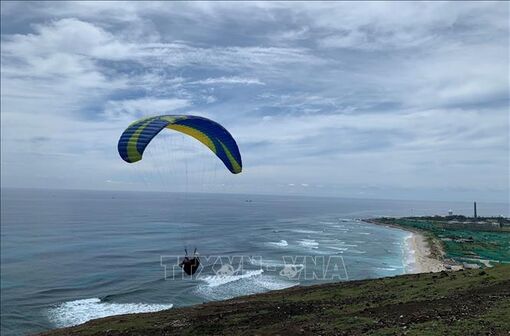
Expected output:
(71, 256)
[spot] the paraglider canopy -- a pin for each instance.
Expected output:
(139, 134)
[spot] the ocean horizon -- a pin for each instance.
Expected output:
(69, 256)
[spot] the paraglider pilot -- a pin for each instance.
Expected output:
(190, 265)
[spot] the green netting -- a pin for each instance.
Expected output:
(465, 245)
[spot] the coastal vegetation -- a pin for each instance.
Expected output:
(467, 302)
(480, 242)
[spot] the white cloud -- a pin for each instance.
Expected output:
(229, 80)
(132, 109)
(377, 93)
(61, 36)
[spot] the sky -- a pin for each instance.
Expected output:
(399, 100)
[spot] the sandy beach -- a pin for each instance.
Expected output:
(420, 259)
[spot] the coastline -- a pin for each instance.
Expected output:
(357, 307)
(424, 254)
(422, 261)
(425, 266)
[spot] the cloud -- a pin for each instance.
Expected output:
(229, 80)
(70, 36)
(398, 96)
(132, 109)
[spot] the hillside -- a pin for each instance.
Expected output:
(470, 302)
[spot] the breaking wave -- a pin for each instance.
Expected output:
(75, 312)
(309, 243)
(218, 280)
(250, 282)
(281, 243)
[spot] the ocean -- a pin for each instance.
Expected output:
(71, 256)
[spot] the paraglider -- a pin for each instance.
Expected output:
(139, 134)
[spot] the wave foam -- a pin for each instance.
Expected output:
(306, 231)
(338, 248)
(266, 263)
(409, 255)
(250, 283)
(281, 243)
(388, 268)
(217, 280)
(271, 283)
(309, 243)
(75, 312)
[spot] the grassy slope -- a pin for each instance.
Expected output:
(474, 302)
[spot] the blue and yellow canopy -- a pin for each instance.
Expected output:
(137, 136)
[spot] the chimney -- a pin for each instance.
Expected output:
(474, 207)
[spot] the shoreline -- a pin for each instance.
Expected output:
(356, 307)
(422, 260)
(423, 254)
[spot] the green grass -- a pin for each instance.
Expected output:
(473, 302)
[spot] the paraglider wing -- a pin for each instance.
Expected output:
(139, 134)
